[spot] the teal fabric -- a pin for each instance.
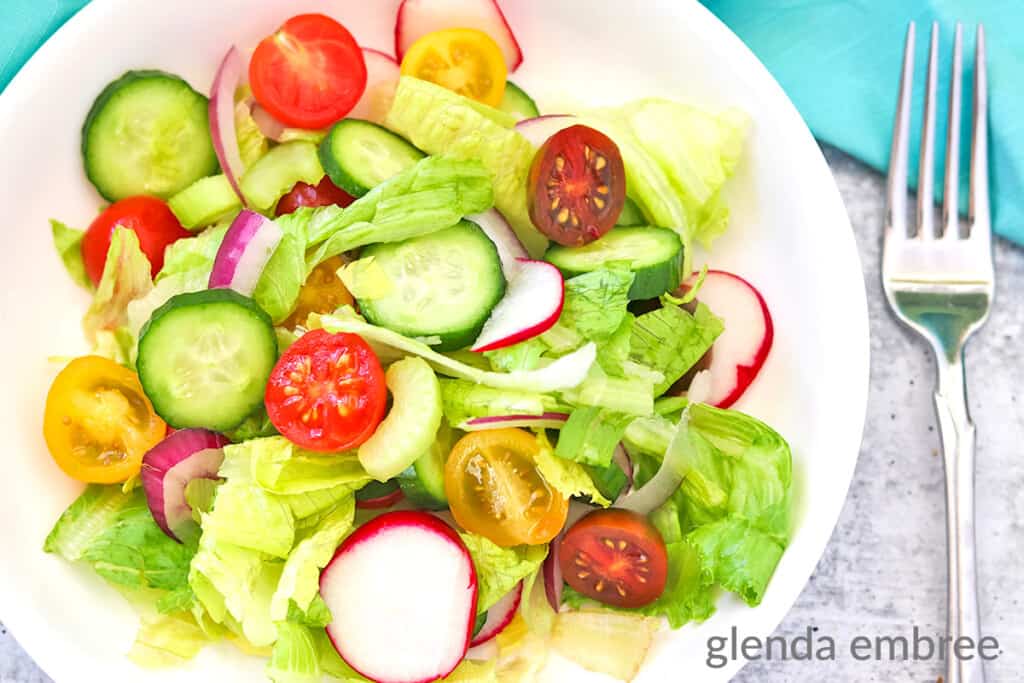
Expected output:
(837, 59)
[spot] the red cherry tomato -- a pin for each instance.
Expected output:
(304, 194)
(616, 557)
(309, 73)
(148, 217)
(327, 392)
(577, 186)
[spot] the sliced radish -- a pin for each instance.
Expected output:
(167, 469)
(382, 75)
(247, 247)
(543, 421)
(739, 353)
(531, 305)
(497, 229)
(402, 592)
(265, 121)
(222, 118)
(499, 615)
(417, 18)
(537, 130)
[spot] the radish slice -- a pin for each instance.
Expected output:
(167, 469)
(544, 421)
(382, 73)
(265, 121)
(499, 615)
(244, 253)
(537, 130)
(497, 229)
(739, 353)
(222, 118)
(402, 592)
(417, 18)
(531, 305)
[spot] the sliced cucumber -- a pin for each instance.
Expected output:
(276, 173)
(423, 483)
(655, 255)
(205, 357)
(518, 103)
(148, 132)
(631, 214)
(359, 155)
(411, 426)
(443, 284)
(205, 202)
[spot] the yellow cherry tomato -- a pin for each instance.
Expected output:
(323, 292)
(495, 489)
(464, 60)
(98, 423)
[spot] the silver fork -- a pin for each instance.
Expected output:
(940, 282)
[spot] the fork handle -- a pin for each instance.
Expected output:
(957, 433)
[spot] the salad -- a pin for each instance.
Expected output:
(395, 378)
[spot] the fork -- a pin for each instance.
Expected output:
(939, 281)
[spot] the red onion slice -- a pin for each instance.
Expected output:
(499, 616)
(268, 125)
(167, 469)
(545, 421)
(667, 479)
(625, 463)
(222, 118)
(538, 129)
(244, 253)
(552, 570)
(498, 230)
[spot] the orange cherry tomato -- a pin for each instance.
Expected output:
(98, 423)
(464, 60)
(495, 489)
(324, 292)
(616, 557)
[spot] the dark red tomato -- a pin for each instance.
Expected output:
(327, 392)
(577, 186)
(616, 557)
(148, 217)
(304, 194)
(309, 73)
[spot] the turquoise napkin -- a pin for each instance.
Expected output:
(837, 59)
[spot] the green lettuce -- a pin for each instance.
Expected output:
(737, 555)
(252, 144)
(525, 355)
(670, 341)
(126, 277)
(595, 302)
(281, 467)
(565, 476)
(590, 435)
(245, 515)
(498, 569)
(68, 242)
(463, 400)
(295, 658)
(167, 641)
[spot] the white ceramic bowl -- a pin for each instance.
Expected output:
(790, 235)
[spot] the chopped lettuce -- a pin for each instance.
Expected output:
(295, 658)
(565, 476)
(68, 242)
(671, 341)
(252, 144)
(167, 640)
(633, 395)
(590, 436)
(609, 642)
(281, 467)
(245, 515)
(126, 277)
(737, 555)
(440, 121)
(498, 569)
(525, 355)
(464, 400)
(595, 302)
(278, 287)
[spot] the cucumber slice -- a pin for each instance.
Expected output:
(359, 155)
(148, 132)
(205, 357)
(411, 426)
(443, 285)
(276, 173)
(205, 202)
(631, 214)
(655, 255)
(423, 483)
(518, 103)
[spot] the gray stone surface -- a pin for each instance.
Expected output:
(884, 570)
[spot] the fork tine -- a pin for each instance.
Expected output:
(978, 210)
(926, 167)
(951, 202)
(896, 189)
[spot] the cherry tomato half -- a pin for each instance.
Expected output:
(495, 489)
(464, 60)
(309, 73)
(577, 186)
(148, 217)
(327, 392)
(98, 423)
(616, 557)
(323, 292)
(304, 194)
